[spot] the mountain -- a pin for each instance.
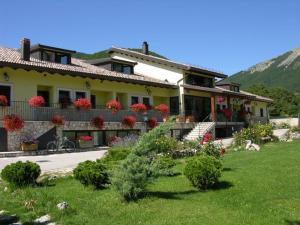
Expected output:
(282, 71)
(104, 54)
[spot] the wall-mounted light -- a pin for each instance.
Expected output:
(6, 76)
(148, 90)
(87, 85)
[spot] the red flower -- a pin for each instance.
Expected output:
(3, 100)
(222, 151)
(83, 103)
(98, 122)
(220, 99)
(36, 101)
(85, 138)
(227, 113)
(206, 138)
(58, 120)
(13, 123)
(129, 121)
(152, 122)
(163, 109)
(114, 106)
(139, 108)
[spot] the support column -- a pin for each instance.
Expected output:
(213, 107)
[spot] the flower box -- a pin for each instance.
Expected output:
(86, 144)
(29, 147)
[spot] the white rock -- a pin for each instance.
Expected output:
(62, 205)
(5, 189)
(281, 134)
(43, 219)
(248, 145)
(2, 212)
(51, 223)
(256, 147)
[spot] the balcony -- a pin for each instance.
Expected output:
(29, 113)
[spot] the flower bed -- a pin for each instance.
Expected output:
(36, 101)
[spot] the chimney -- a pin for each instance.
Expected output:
(145, 48)
(25, 49)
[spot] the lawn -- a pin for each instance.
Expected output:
(256, 188)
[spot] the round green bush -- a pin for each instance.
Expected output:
(21, 174)
(164, 166)
(92, 173)
(203, 171)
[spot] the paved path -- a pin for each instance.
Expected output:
(56, 162)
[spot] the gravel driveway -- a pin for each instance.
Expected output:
(56, 162)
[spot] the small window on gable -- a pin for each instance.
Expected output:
(122, 68)
(48, 56)
(261, 112)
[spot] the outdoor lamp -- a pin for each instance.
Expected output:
(6, 77)
(88, 85)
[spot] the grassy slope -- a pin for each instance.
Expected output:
(256, 188)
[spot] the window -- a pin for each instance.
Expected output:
(146, 101)
(63, 59)
(174, 105)
(6, 91)
(80, 94)
(127, 69)
(261, 112)
(64, 97)
(199, 80)
(134, 100)
(49, 56)
(93, 101)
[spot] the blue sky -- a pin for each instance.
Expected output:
(223, 35)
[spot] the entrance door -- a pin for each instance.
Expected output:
(6, 91)
(3, 140)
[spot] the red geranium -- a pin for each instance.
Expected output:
(163, 109)
(227, 113)
(3, 100)
(85, 138)
(83, 103)
(36, 101)
(222, 151)
(139, 108)
(98, 122)
(114, 106)
(129, 121)
(58, 120)
(13, 123)
(207, 138)
(152, 122)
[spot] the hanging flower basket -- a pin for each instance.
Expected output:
(139, 108)
(13, 123)
(163, 109)
(3, 100)
(129, 121)
(98, 122)
(58, 120)
(36, 101)
(83, 104)
(221, 99)
(114, 106)
(152, 122)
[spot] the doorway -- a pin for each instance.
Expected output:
(6, 91)
(3, 140)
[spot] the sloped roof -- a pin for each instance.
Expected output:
(167, 62)
(12, 58)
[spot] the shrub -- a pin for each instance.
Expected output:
(83, 104)
(211, 149)
(98, 122)
(165, 144)
(36, 101)
(92, 173)
(116, 154)
(21, 174)
(114, 106)
(164, 166)
(3, 100)
(129, 121)
(139, 108)
(203, 171)
(13, 123)
(58, 120)
(127, 141)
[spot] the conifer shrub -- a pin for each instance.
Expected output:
(21, 174)
(203, 171)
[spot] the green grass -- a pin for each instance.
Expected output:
(256, 188)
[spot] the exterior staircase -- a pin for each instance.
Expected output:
(200, 130)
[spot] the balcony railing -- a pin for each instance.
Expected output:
(29, 113)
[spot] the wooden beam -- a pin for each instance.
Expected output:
(213, 107)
